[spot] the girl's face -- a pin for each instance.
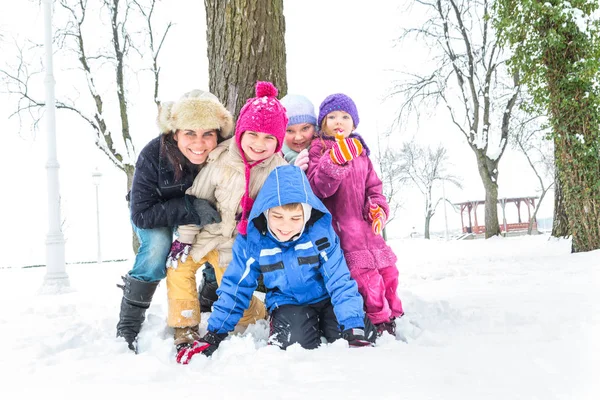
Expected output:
(285, 224)
(338, 122)
(196, 144)
(299, 136)
(258, 146)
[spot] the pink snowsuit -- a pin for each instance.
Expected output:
(345, 190)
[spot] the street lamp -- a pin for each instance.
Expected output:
(56, 279)
(96, 176)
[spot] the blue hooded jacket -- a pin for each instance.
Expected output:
(303, 271)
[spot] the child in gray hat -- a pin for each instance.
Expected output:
(300, 130)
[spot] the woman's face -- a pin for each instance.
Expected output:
(196, 144)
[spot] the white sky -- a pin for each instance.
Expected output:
(502, 319)
(332, 46)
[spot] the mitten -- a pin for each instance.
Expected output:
(179, 251)
(345, 150)
(206, 212)
(302, 160)
(377, 216)
(356, 337)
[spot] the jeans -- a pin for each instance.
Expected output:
(151, 259)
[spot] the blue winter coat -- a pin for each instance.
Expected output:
(300, 272)
(156, 199)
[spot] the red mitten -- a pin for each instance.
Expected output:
(378, 217)
(345, 149)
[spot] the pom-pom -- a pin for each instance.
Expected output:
(265, 89)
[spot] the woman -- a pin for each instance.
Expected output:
(190, 129)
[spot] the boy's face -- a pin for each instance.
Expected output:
(258, 146)
(285, 224)
(338, 123)
(299, 136)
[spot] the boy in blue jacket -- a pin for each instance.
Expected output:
(310, 293)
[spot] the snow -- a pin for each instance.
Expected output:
(505, 318)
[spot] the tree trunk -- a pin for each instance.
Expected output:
(246, 43)
(537, 208)
(574, 119)
(488, 171)
(560, 221)
(130, 170)
(427, 221)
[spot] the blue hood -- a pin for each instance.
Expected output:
(285, 184)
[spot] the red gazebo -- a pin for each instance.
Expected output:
(504, 227)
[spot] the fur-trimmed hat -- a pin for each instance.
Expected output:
(338, 102)
(263, 113)
(196, 109)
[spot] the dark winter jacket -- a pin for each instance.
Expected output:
(156, 199)
(299, 272)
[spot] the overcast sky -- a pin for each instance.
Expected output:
(332, 46)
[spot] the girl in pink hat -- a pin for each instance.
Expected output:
(234, 173)
(342, 175)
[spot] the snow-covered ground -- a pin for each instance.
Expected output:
(515, 318)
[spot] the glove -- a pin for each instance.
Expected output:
(356, 337)
(179, 251)
(377, 217)
(207, 346)
(302, 160)
(206, 212)
(185, 351)
(345, 150)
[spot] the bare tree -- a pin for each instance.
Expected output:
(470, 79)
(390, 173)
(96, 106)
(246, 43)
(424, 167)
(530, 139)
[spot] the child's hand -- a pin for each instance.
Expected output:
(345, 149)
(377, 217)
(356, 338)
(302, 160)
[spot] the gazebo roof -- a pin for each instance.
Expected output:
(505, 199)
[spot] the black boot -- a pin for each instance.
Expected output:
(137, 296)
(207, 296)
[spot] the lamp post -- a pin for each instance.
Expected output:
(56, 279)
(96, 176)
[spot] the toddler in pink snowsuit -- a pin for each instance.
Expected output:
(342, 175)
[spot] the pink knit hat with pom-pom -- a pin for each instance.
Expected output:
(263, 113)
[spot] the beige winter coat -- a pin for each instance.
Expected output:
(222, 182)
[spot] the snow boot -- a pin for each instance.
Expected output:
(207, 295)
(137, 296)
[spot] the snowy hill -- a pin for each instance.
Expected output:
(515, 318)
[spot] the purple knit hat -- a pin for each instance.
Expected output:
(338, 102)
(263, 113)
